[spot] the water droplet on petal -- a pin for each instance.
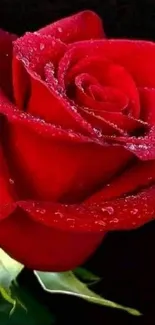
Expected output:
(134, 211)
(59, 29)
(58, 214)
(115, 220)
(100, 222)
(42, 211)
(132, 146)
(26, 62)
(110, 210)
(11, 181)
(42, 46)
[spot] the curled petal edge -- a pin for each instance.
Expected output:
(122, 213)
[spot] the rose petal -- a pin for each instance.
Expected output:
(33, 147)
(141, 67)
(121, 123)
(142, 147)
(32, 51)
(109, 108)
(40, 126)
(91, 94)
(136, 177)
(71, 174)
(6, 40)
(43, 247)
(69, 225)
(147, 100)
(6, 183)
(99, 123)
(76, 61)
(82, 26)
(98, 215)
(43, 99)
(7, 188)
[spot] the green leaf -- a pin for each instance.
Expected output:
(86, 276)
(18, 306)
(9, 269)
(35, 313)
(68, 283)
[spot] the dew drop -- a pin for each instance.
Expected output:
(59, 29)
(26, 62)
(143, 146)
(58, 214)
(42, 211)
(110, 210)
(42, 46)
(132, 146)
(134, 211)
(100, 222)
(115, 220)
(11, 181)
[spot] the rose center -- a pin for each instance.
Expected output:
(105, 93)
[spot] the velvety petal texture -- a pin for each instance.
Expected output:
(77, 140)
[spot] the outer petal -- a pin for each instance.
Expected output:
(96, 215)
(45, 248)
(5, 184)
(82, 26)
(43, 99)
(6, 61)
(41, 247)
(55, 164)
(70, 233)
(142, 147)
(7, 188)
(147, 99)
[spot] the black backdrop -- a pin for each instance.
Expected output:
(122, 18)
(125, 260)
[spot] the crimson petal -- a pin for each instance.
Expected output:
(76, 61)
(147, 100)
(7, 188)
(141, 67)
(26, 134)
(123, 213)
(136, 177)
(82, 26)
(43, 99)
(142, 147)
(45, 248)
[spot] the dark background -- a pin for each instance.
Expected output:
(125, 261)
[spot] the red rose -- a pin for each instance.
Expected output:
(77, 142)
